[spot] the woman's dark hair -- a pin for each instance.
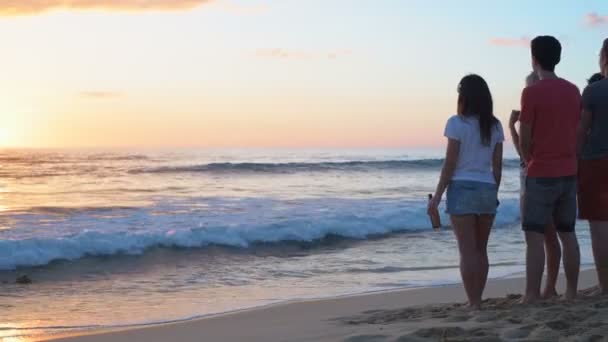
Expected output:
(595, 78)
(475, 99)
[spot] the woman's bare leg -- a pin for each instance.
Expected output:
(464, 230)
(482, 230)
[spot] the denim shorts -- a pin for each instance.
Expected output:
(547, 199)
(472, 198)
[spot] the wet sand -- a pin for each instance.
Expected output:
(427, 314)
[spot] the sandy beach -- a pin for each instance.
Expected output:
(427, 314)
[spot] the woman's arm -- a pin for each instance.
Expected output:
(583, 130)
(514, 135)
(447, 172)
(525, 141)
(497, 164)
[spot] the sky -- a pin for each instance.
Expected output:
(269, 73)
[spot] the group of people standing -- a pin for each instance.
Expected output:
(563, 145)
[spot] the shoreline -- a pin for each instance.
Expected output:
(301, 320)
(93, 329)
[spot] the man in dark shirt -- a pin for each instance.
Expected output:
(593, 168)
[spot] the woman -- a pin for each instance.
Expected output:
(472, 173)
(552, 247)
(593, 168)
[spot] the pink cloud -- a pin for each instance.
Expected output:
(279, 53)
(594, 20)
(511, 42)
(29, 7)
(100, 94)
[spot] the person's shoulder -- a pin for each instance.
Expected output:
(455, 120)
(532, 89)
(455, 123)
(500, 133)
(594, 92)
(498, 123)
(591, 88)
(568, 85)
(454, 127)
(599, 86)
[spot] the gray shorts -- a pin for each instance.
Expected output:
(549, 199)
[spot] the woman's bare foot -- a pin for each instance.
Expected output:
(570, 295)
(549, 293)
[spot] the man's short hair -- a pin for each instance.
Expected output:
(547, 51)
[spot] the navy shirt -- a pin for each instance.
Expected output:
(595, 101)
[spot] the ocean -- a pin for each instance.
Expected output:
(130, 238)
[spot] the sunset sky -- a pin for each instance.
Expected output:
(264, 73)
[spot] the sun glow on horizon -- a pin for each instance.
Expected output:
(7, 138)
(256, 73)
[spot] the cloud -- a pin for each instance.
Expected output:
(511, 42)
(279, 53)
(29, 7)
(100, 94)
(594, 20)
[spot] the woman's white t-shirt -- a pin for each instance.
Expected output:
(474, 158)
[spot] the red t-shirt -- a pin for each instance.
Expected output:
(552, 108)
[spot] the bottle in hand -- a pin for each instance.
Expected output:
(434, 216)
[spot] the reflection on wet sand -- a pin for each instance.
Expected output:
(14, 332)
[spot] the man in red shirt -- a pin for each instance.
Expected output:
(550, 114)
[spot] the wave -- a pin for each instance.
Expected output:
(242, 229)
(395, 269)
(65, 211)
(67, 158)
(353, 166)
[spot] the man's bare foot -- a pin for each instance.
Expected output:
(530, 299)
(475, 307)
(474, 304)
(549, 293)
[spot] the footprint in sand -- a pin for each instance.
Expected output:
(440, 333)
(487, 317)
(457, 318)
(601, 305)
(545, 334)
(367, 338)
(483, 333)
(558, 325)
(596, 338)
(515, 320)
(451, 334)
(410, 338)
(520, 332)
